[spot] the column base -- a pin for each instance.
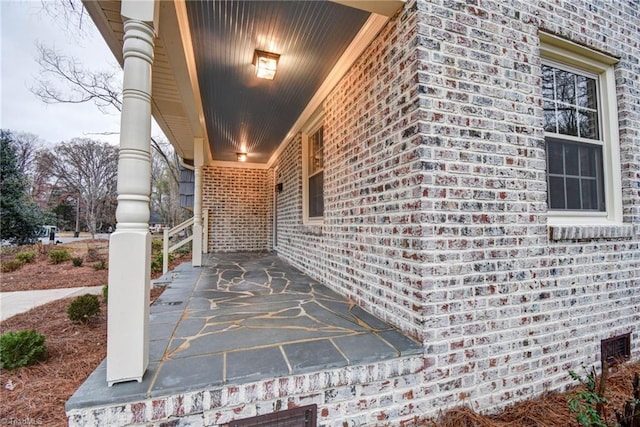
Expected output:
(128, 307)
(196, 246)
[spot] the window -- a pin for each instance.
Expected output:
(581, 133)
(315, 174)
(574, 166)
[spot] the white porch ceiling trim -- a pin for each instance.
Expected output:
(187, 47)
(381, 7)
(365, 36)
(239, 165)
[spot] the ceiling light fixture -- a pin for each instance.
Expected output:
(266, 64)
(242, 157)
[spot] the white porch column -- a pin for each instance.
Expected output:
(198, 160)
(130, 244)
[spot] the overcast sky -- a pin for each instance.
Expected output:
(23, 23)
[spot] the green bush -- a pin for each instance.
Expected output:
(105, 293)
(156, 246)
(77, 261)
(588, 404)
(100, 265)
(21, 348)
(11, 265)
(26, 257)
(184, 250)
(156, 262)
(58, 256)
(83, 308)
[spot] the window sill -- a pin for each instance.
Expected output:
(314, 229)
(591, 232)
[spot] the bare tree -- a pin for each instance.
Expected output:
(88, 169)
(80, 85)
(65, 80)
(26, 146)
(74, 84)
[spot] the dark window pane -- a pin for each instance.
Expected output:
(588, 124)
(567, 121)
(589, 194)
(547, 82)
(565, 86)
(571, 159)
(550, 116)
(573, 193)
(588, 161)
(556, 193)
(316, 197)
(555, 157)
(587, 94)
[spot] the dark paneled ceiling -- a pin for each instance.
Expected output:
(241, 110)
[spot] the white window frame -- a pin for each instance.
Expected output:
(561, 53)
(312, 126)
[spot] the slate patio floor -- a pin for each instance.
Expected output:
(244, 317)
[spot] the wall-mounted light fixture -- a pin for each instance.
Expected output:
(242, 157)
(266, 64)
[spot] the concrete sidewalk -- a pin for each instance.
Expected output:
(12, 303)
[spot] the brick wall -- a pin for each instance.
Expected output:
(240, 208)
(435, 197)
(389, 393)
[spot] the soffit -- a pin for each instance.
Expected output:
(176, 117)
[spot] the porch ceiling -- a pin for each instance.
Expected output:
(204, 85)
(242, 112)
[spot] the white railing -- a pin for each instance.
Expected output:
(167, 233)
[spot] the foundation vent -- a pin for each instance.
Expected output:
(615, 349)
(304, 416)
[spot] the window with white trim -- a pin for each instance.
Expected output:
(581, 133)
(313, 171)
(315, 178)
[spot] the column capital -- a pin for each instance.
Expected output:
(147, 11)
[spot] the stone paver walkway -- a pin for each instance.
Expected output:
(242, 318)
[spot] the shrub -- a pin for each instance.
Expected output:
(100, 265)
(156, 246)
(21, 348)
(588, 404)
(26, 257)
(105, 293)
(11, 265)
(77, 261)
(93, 255)
(83, 308)
(156, 262)
(184, 250)
(58, 256)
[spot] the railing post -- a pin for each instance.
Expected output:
(165, 250)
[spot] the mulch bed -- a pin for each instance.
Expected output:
(41, 274)
(549, 410)
(74, 351)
